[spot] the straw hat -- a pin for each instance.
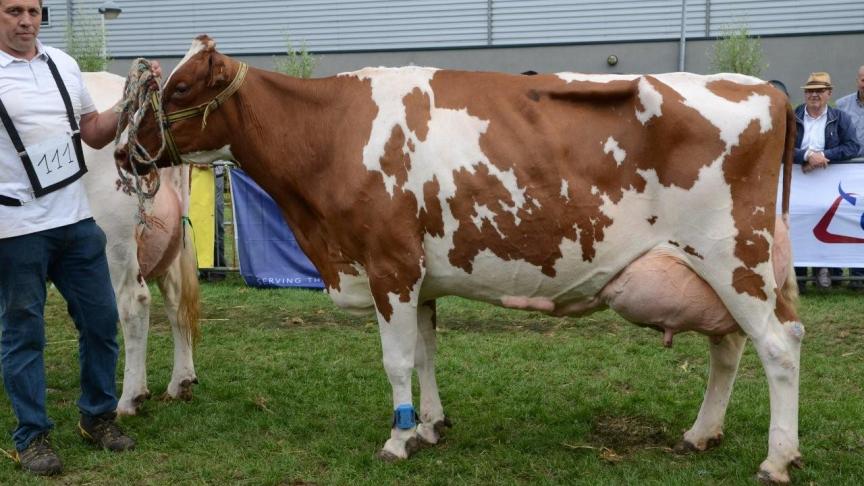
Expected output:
(820, 80)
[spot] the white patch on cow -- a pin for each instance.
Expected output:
(197, 46)
(207, 157)
(758, 210)
(595, 190)
(611, 147)
(452, 141)
(353, 295)
(651, 100)
(730, 117)
(565, 190)
(595, 78)
(483, 212)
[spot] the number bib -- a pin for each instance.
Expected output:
(54, 161)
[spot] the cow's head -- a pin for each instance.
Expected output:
(188, 120)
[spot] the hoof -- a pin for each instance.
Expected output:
(387, 456)
(797, 463)
(185, 392)
(410, 446)
(773, 478)
(687, 447)
(441, 425)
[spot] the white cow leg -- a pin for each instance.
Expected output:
(780, 352)
(399, 338)
(707, 431)
(133, 304)
(431, 411)
(183, 374)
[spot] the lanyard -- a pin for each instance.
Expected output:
(38, 189)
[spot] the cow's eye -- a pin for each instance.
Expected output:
(181, 89)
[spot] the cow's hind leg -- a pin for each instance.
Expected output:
(183, 373)
(707, 431)
(399, 338)
(133, 305)
(776, 332)
(432, 416)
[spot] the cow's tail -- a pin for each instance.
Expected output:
(790, 284)
(190, 300)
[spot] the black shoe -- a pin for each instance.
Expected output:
(104, 432)
(39, 458)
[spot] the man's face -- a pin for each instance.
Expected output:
(816, 99)
(19, 25)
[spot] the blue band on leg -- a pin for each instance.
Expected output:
(404, 417)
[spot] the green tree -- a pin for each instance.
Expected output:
(297, 63)
(85, 42)
(736, 51)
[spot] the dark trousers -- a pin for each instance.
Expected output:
(73, 257)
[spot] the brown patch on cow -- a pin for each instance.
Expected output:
(411, 146)
(675, 243)
(784, 309)
(682, 140)
(652, 220)
(395, 161)
(692, 251)
(752, 170)
(418, 113)
(729, 90)
(431, 216)
(746, 281)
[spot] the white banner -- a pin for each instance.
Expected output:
(827, 215)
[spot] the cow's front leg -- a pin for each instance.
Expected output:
(133, 304)
(398, 343)
(707, 431)
(432, 416)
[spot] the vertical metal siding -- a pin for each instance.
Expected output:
(166, 27)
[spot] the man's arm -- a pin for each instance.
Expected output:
(848, 147)
(98, 129)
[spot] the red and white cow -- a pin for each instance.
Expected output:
(549, 192)
(137, 254)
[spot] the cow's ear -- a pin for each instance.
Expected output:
(218, 71)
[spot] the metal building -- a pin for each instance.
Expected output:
(507, 35)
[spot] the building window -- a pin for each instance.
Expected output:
(46, 17)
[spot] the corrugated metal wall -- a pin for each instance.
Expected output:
(166, 27)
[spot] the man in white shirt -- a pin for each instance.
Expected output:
(825, 135)
(46, 231)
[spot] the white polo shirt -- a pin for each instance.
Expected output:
(33, 101)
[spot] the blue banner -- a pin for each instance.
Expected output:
(269, 253)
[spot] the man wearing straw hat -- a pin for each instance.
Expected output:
(825, 135)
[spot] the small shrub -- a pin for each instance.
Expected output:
(737, 52)
(299, 64)
(85, 42)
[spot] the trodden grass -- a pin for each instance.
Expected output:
(293, 392)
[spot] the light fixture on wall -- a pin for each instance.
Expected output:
(110, 10)
(612, 60)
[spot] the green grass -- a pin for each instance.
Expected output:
(293, 392)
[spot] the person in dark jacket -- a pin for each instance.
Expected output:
(825, 135)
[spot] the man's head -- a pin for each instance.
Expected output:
(19, 25)
(817, 92)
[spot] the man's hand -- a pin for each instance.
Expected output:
(156, 68)
(815, 160)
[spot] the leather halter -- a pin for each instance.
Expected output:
(204, 109)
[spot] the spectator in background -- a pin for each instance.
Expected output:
(853, 104)
(825, 135)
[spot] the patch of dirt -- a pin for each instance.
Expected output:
(617, 437)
